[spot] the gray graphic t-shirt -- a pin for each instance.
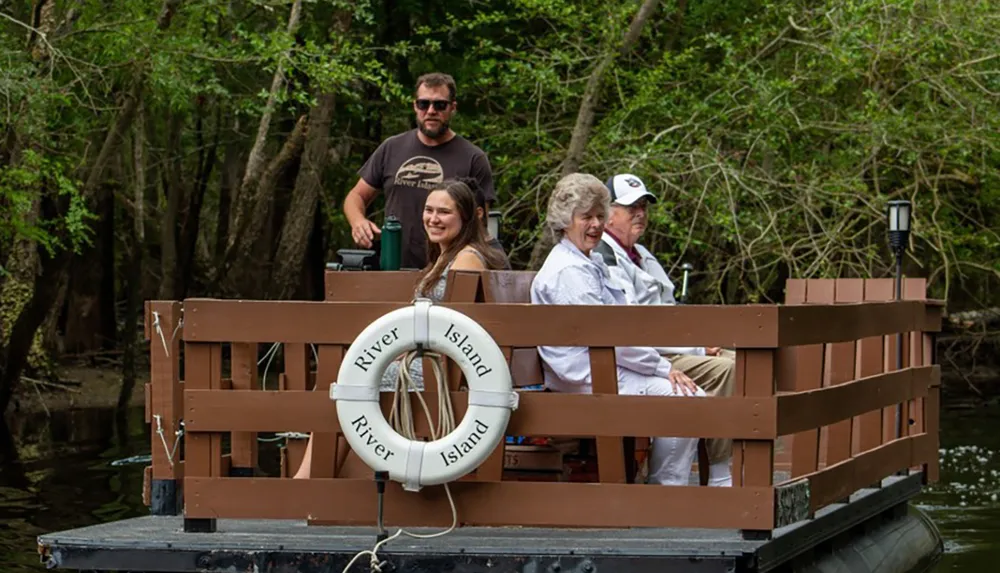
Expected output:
(406, 170)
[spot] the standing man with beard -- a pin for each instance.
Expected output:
(409, 165)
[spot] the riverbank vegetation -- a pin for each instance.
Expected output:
(174, 148)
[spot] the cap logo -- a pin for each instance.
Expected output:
(633, 182)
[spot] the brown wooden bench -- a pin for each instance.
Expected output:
(526, 370)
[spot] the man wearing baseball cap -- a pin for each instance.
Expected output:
(645, 282)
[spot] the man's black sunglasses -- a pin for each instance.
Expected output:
(439, 104)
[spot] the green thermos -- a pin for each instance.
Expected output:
(392, 239)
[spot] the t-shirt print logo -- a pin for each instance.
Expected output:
(421, 172)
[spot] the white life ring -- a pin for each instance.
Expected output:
(491, 395)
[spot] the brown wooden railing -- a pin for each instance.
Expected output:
(816, 374)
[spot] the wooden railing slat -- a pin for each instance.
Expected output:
(538, 414)
(326, 447)
(872, 361)
(492, 468)
(610, 450)
(809, 409)
(753, 326)
(914, 289)
(836, 482)
(505, 503)
(758, 455)
(848, 322)
(369, 286)
(811, 373)
(243, 361)
(203, 370)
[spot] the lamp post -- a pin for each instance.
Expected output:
(899, 233)
(493, 224)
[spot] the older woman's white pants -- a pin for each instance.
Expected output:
(670, 459)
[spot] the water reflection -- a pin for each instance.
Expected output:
(56, 474)
(965, 503)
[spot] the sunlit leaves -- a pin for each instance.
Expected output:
(22, 185)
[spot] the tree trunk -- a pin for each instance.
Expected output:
(43, 23)
(592, 93)
(174, 191)
(240, 268)
(133, 284)
(230, 182)
(246, 198)
(192, 219)
(286, 279)
(22, 334)
(90, 271)
(585, 114)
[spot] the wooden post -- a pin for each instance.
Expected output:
(244, 377)
(610, 450)
(326, 450)
(843, 365)
(809, 375)
(873, 354)
(203, 451)
(756, 369)
(297, 374)
(913, 420)
(162, 319)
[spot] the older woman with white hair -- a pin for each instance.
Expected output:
(574, 274)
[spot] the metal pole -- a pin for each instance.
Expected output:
(899, 344)
(899, 340)
(380, 479)
(686, 267)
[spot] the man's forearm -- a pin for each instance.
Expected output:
(354, 209)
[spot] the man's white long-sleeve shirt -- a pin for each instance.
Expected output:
(646, 283)
(569, 277)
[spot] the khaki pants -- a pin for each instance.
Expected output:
(716, 375)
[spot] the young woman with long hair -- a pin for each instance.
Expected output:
(456, 241)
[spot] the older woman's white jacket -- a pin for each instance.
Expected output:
(646, 283)
(568, 276)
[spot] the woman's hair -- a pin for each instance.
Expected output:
(477, 190)
(574, 193)
(470, 235)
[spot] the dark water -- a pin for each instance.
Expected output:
(64, 478)
(965, 504)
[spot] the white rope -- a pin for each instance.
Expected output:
(177, 328)
(269, 356)
(163, 339)
(177, 439)
(159, 330)
(401, 418)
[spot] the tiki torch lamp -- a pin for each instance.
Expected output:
(899, 234)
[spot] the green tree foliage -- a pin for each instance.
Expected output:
(774, 132)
